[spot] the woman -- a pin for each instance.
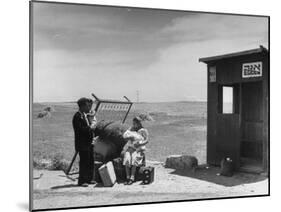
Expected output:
(133, 151)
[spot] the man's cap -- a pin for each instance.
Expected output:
(82, 101)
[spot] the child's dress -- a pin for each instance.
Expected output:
(134, 149)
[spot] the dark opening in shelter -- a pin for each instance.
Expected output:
(237, 122)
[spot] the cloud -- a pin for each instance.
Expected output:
(114, 52)
(217, 27)
(178, 73)
(95, 27)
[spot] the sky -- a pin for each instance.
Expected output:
(112, 52)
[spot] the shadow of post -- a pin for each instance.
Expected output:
(64, 186)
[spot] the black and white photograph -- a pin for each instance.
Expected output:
(134, 105)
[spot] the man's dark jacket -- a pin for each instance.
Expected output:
(83, 134)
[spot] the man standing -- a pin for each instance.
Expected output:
(84, 132)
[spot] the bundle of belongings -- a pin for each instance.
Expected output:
(109, 142)
(227, 167)
(114, 172)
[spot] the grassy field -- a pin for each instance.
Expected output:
(178, 128)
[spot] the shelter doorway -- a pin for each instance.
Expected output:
(251, 147)
(228, 126)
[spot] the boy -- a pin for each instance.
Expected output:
(84, 133)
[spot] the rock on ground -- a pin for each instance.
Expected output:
(181, 162)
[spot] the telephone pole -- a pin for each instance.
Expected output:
(138, 96)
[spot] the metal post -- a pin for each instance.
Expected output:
(72, 161)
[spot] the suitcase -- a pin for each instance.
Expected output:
(107, 174)
(97, 177)
(119, 169)
(146, 174)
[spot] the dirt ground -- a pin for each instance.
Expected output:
(52, 189)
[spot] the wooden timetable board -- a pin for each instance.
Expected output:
(112, 110)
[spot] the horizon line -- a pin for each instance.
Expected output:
(140, 102)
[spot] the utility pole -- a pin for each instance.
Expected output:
(138, 96)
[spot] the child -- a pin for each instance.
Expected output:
(133, 151)
(91, 117)
(136, 140)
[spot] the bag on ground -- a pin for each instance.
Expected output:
(119, 169)
(146, 174)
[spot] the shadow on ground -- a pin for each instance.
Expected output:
(64, 186)
(209, 174)
(69, 177)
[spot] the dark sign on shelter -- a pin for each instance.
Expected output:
(237, 123)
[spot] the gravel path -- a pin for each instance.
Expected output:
(54, 190)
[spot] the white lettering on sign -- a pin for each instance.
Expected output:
(252, 70)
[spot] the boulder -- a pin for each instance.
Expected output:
(181, 162)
